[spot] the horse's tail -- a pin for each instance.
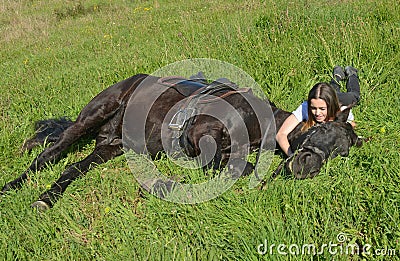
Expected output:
(47, 131)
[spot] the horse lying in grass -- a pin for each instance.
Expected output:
(316, 145)
(104, 115)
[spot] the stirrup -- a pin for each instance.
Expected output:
(179, 119)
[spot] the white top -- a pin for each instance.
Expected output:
(301, 113)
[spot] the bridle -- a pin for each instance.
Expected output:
(302, 148)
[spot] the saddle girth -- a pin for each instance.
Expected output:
(185, 115)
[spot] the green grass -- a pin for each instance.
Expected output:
(57, 55)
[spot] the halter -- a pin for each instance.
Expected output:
(284, 161)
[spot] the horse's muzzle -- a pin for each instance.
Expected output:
(305, 164)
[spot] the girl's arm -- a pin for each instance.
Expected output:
(282, 136)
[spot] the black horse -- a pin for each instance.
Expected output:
(316, 145)
(148, 122)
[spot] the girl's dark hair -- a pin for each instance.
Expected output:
(327, 93)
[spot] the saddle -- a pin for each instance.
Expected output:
(183, 86)
(197, 90)
(188, 87)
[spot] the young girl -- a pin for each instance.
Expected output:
(324, 101)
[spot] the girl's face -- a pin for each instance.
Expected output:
(319, 110)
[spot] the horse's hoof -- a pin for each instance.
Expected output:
(40, 205)
(5, 189)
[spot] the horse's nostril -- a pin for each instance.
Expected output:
(304, 157)
(306, 165)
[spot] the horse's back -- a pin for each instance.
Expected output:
(147, 115)
(109, 101)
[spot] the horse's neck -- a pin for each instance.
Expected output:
(280, 116)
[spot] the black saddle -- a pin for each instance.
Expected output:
(186, 87)
(195, 83)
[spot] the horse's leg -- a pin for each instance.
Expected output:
(50, 154)
(205, 144)
(89, 121)
(99, 110)
(239, 167)
(108, 146)
(214, 153)
(100, 155)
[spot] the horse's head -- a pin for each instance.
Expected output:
(320, 144)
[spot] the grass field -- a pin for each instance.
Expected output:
(56, 55)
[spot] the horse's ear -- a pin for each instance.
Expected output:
(342, 116)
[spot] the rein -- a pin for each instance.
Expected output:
(276, 112)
